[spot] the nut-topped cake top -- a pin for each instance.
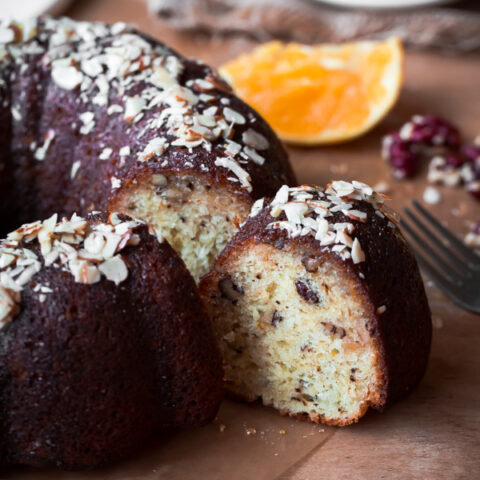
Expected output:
(309, 211)
(87, 250)
(116, 70)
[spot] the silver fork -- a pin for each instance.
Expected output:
(452, 266)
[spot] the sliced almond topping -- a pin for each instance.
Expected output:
(253, 155)
(255, 140)
(67, 78)
(105, 154)
(356, 215)
(308, 210)
(240, 173)
(75, 167)
(257, 207)
(116, 183)
(381, 309)
(154, 148)
(233, 116)
(133, 106)
(295, 211)
(114, 269)
(357, 253)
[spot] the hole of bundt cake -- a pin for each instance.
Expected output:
(196, 219)
(295, 338)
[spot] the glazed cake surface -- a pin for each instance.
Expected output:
(97, 351)
(318, 305)
(103, 117)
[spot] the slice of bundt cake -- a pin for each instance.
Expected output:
(318, 305)
(104, 341)
(103, 117)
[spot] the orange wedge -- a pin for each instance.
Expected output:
(321, 94)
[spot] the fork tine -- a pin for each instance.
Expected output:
(440, 281)
(445, 267)
(449, 253)
(472, 258)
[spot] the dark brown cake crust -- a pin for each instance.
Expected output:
(388, 277)
(87, 377)
(35, 189)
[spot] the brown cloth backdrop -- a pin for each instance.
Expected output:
(448, 29)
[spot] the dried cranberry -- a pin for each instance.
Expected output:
(434, 131)
(473, 182)
(454, 160)
(400, 155)
(471, 152)
(473, 188)
(452, 164)
(230, 289)
(404, 149)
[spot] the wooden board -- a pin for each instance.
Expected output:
(433, 434)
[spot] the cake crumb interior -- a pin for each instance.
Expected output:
(294, 338)
(197, 219)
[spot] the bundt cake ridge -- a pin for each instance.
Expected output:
(102, 111)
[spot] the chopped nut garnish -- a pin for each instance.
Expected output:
(116, 59)
(381, 309)
(87, 251)
(67, 78)
(432, 196)
(307, 210)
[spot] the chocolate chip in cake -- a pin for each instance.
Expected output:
(332, 329)
(370, 329)
(276, 318)
(306, 291)
(279, 243)
(306, 397)
(230, 289)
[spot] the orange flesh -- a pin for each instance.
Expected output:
(303, 91)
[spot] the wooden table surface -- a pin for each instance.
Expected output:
(435, 432)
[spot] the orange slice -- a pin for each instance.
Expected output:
(321, 94)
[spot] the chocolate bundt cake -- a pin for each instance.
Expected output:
(103, 117)
(104, 341)
(318, 305)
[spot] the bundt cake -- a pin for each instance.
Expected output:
(318, 305)
(104, 341)
(98, 117)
